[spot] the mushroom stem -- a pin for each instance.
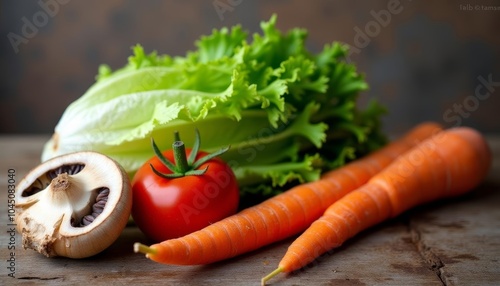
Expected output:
(62, 188)
(67, 190)
(61, 183)
(52, 199)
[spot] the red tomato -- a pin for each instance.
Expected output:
(170, 208)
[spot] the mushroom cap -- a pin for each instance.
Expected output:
(47, 206)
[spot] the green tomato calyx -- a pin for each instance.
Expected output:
(183, 165)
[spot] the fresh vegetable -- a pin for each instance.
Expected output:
(74, 205)
(287, 113)
(280, 216)
(181, 190)
(448, 164)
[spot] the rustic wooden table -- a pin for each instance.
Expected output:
(452, 242)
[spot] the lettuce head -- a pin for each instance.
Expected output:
(287, 113)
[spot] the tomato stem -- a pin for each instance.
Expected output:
(196, 148)
(183, 165)
(177, 137)
(180, 158)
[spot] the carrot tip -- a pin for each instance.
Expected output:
(270, 275)
(139, 247)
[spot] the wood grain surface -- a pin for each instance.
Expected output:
(451, 242)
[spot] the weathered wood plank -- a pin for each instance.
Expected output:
(461, 236)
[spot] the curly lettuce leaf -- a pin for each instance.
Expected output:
(287, 113)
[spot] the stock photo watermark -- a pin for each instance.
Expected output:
(223, 6)
(202, 198)
(471, 103)
(380, 19)
(478, 7)
(11, 223)
(30, 26)
(222, 179)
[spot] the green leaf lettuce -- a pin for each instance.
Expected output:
(287, 114)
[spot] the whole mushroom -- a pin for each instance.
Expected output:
(75, 205)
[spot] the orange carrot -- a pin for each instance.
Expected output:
(280, 216)
(448, 164)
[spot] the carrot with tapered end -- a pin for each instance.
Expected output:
(448, 164)
(281, 216)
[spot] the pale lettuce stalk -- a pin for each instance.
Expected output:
(286, 113)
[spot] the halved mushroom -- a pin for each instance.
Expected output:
(74, 205)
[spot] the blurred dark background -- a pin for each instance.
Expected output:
(424, 60)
